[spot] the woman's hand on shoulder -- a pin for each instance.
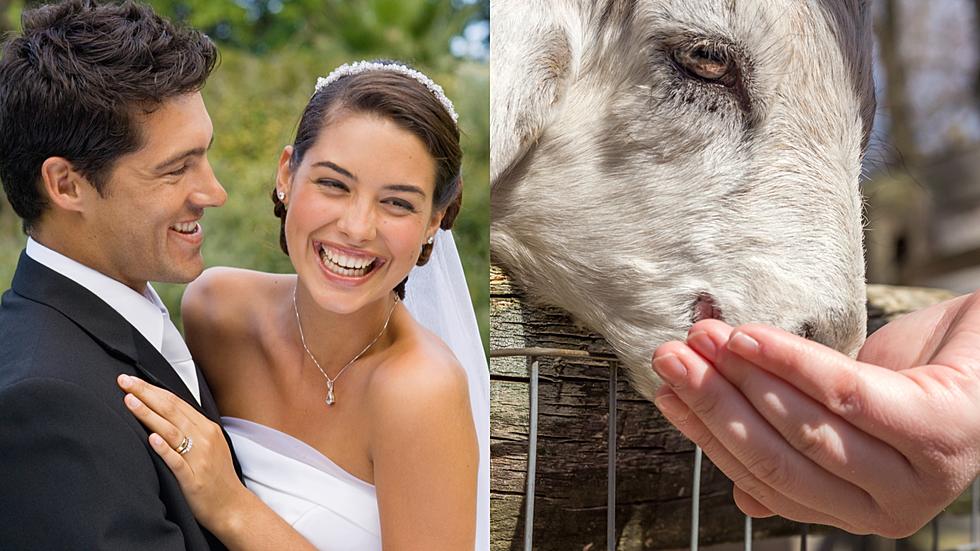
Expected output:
(424, 451)
(195, 450)
(193, 447)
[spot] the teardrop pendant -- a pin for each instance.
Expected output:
(330, 397)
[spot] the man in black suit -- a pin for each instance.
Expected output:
(103, 154)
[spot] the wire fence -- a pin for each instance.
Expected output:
(533, 356)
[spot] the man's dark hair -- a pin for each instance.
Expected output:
(72, 83)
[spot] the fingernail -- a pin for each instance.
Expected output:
(132, 401)
(701, 342)
(672, 406)
(125, 381)
(670, 368)
(742, 344)
(156, 439)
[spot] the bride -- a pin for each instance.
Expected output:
(355, 426)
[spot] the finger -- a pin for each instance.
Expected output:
(749, 505)
(163, 402)
(678, 413)
(737, 427)
(153, 422)
(876, 400)
(811, 429)
(175, 462)
(708, 337)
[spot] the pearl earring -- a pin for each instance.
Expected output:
(429, 242)
(280, 194)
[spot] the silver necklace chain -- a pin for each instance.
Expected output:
(331, 398)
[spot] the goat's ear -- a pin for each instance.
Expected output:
(864, 7)
(530, 62)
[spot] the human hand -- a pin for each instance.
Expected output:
(205, 470)
(814, 436)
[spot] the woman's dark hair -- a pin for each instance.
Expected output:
(71, 83)
(410, 105)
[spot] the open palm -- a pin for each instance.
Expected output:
(877, 445)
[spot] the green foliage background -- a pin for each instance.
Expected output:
(271, 54)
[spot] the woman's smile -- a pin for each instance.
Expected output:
(350, 265)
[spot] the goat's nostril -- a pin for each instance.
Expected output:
(705, 307)
(840, 330)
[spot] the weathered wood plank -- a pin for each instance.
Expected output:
(654, 462)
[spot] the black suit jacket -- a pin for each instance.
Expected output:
(76, 470)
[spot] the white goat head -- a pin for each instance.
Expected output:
(656, 162)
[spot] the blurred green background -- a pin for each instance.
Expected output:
(271, 54)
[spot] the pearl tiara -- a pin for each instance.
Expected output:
(358, 67)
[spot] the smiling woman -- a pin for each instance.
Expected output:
(316, 366)
(385, 206)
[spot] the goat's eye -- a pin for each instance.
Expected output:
(707, 63)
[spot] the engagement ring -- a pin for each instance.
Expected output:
(185, 445)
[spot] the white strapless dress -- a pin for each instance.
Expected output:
(330, 507)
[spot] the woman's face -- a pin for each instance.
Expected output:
(359, 210)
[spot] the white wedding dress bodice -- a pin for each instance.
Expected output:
(331, 508)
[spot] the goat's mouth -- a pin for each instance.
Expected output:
(705, 307)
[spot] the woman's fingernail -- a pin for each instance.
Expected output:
(132, 401)
(156, 440)
(701, 342)
(670, 368)
(673, 407)
(742, 344)
(125, 381)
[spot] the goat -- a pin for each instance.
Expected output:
(657, 162)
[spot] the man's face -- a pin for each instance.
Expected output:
(146, 227)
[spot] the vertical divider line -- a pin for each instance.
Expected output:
(611, 471)
(696, 499)
(532, 456)
(935, 534)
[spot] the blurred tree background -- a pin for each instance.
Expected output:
(272, 51)
(923, 169)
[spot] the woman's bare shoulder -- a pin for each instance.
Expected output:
(422, 438)
(424, 369)
(420, 408)
(226, 301)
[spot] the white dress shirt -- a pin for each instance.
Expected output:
(146, 312)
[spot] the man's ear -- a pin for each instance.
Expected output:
(65, 187)
(284, 175)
